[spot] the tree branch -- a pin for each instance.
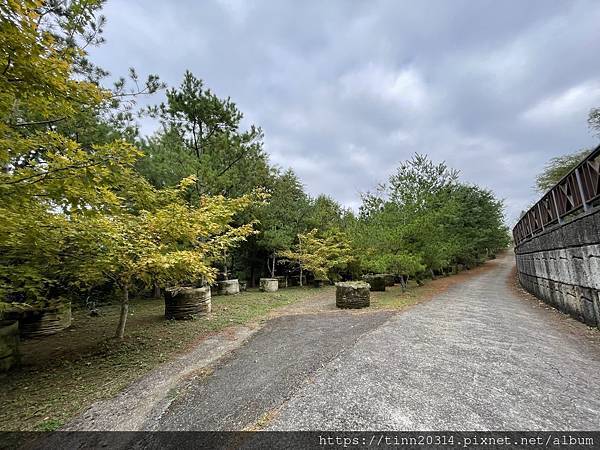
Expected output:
(232, 163)
(8, 64)
(42, 176)
(41, 122)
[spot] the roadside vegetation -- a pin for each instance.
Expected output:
(559, 166)
(63, 374)
(93, 208)
(556, 168)
(95, 213)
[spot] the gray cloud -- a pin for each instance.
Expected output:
(346, 89)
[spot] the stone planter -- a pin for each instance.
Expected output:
(184, 303)
(377, 282)
(269, 284)
(282, 281)
(9, 344)
(352, 294)
(318, 283)
(228, 287)
(243, 286)
(44, 321)
(390, 279)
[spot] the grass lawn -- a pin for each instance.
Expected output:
(64, 373)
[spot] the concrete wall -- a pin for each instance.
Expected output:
(561, 266)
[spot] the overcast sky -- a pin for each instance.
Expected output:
(344, 90)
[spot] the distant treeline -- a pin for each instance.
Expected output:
(90, 207)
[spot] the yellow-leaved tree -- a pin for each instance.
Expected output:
(74, 212)
(170, 242)
(48, 179)
(320, 255)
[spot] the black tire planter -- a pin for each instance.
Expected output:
(282, 282)
(269, 284)
(377, 282)
(185, 303)
(44, 321)
(9, 344)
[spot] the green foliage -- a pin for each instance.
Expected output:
(166, 160)
(419, 184)
(478, 225)
(50, 178)
(325, 214)
(75, 212)
(406, 217)
(50, 425)
(594, 120)
(285, 214)
(425, 219)
(170, 242)
(557, 168)
(321, 255)
(224, 159)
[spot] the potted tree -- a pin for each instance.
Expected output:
(172, 243)
(320, 255)
(9, 340)
(42, 319)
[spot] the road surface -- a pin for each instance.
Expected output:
(480, 356)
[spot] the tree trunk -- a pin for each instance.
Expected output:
(273, 271)
(225, 271)
(156, 293)
(300, 261)
(419, 280)
(124, 311)
(432, 274)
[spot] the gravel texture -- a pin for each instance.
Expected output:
(480, 356)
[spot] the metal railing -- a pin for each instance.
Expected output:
(576, 192)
